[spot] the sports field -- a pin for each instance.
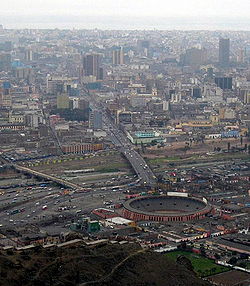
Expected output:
(202, 266)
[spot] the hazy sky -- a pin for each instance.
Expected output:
(220, 8)
(126, 14)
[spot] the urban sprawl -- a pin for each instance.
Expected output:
(127, 136)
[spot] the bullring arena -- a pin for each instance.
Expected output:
(173, 207)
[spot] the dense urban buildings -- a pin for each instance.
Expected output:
(111, 138)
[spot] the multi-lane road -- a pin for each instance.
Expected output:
(37, 204)
(123, 144)
(120, 140)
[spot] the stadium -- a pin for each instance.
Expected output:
(173, 207)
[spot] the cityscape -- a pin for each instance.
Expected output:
(124, 146)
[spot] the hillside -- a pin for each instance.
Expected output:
(104, 265)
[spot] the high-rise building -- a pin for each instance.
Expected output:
(91, 66)
(83, 104)
(210, 72)
(194, 57)
(58, 84)
(73, 103)
(247, 53)
(196, 92)
(28, 55)
(224, 51)
(95, 119)
(5, 95)
(246, 98)
(5, 61)
(165, 105)
(224, 82)
(118, 57)
(143, 47)
(23, 73)
(6, 46)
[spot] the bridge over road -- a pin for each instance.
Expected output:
(46, 176)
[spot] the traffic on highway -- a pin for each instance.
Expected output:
(121, 141)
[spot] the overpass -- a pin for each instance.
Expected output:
(46, 176)
(122, 143)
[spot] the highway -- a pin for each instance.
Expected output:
(120, 140)
(43, 203)
(122, 143)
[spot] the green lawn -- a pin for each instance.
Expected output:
(196, 157)
(162, 160)
(107, 170)
(202, 266)
(172, 159)
(227, 156)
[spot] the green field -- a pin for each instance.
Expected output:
(202, 266)
(161, 164)
(160, 160)
(196, 157)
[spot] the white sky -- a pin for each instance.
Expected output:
(154, 8)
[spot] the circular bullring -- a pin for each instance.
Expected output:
(167, 208)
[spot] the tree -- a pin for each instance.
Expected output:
(244, 256)
(213, 270)
(200, 273)
(202, 250)
(154, 142)
(183, 260)
(217, 256)
(183, 245)
(242, 264)
(9, 252)
(233, 260)
(142, 147)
